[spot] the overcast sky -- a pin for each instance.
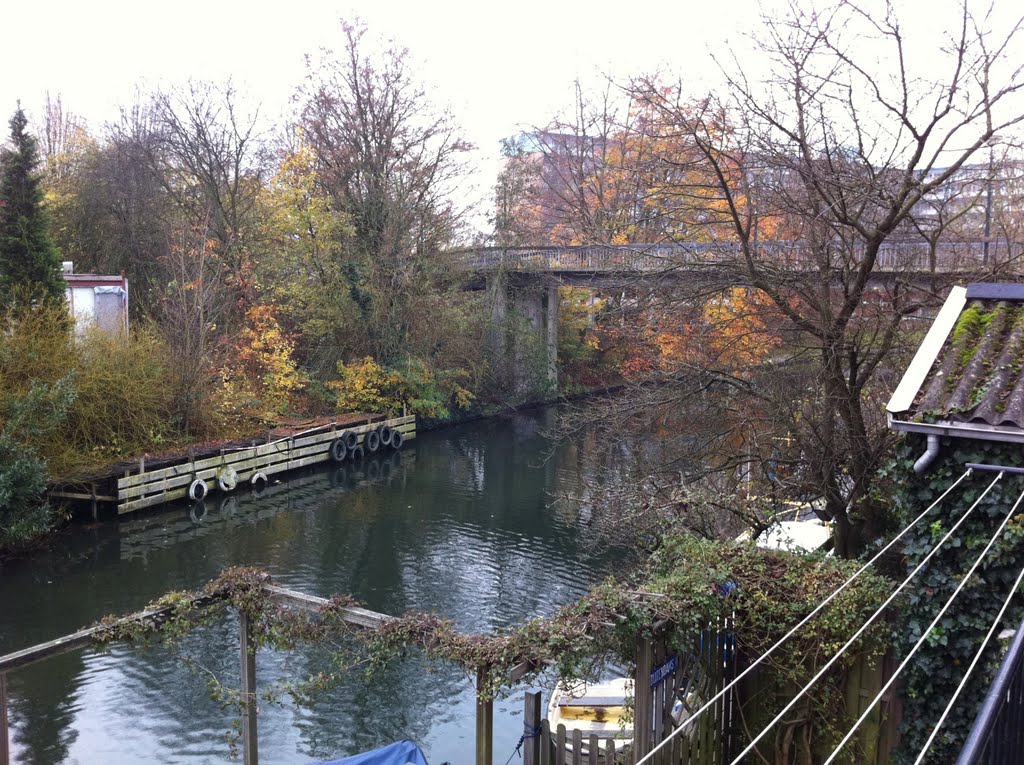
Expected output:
(499, 66)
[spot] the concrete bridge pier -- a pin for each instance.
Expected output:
(539, 305)
(524, 325)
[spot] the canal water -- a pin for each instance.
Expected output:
(466, 522)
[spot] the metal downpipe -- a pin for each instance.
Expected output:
(930, 453)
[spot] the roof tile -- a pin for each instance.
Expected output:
(978, 376)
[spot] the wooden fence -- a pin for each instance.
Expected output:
(687, 680)
(667, 682)
(800, 736)
(542, 746)
(662, 678)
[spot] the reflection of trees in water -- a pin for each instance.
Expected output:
(713, 457)
(490, 545)
(460, 524)
(405, 700)
(42, 700)
(588, 469)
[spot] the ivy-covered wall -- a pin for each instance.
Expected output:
(932, 677)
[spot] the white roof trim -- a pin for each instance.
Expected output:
(903, 398)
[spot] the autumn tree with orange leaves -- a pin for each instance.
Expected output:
(608, 172)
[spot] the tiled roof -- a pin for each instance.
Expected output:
(978, 375)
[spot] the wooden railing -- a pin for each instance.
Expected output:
(83, 638)
(663, 677)
(355, 616)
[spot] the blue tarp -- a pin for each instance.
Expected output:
(399, 753)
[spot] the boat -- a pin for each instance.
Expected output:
(593, 709)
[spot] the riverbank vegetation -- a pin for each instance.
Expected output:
(303, 267)
(308, 268)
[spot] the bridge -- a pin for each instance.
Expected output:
(612, 265)
(530, 276)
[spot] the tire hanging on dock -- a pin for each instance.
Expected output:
(227, 479)
(371, 441)
(357, 453)
(197, 490)
(351, 439)
(385, 433)
(338, 450)
(396, 439)
(258, 483)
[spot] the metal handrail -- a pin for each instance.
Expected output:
(949, 256)
(977, 743)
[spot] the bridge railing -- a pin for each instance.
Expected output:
(893, 257)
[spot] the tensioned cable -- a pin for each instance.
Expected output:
(863, 628)
(817, 609)
(924, 635)
(970, 669)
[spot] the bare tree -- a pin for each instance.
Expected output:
(837, 149)
(210, 160)
(62, 134)
(189, 310)
(390, 161)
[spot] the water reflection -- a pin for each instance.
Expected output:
(458, 523)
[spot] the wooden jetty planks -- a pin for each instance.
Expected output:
(407, 425)
(167, 484)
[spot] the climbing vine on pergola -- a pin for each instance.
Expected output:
(685, 586)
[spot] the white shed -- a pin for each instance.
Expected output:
(97, 300)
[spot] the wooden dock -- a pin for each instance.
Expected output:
(235, 466)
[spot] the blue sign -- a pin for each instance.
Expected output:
(660, 673)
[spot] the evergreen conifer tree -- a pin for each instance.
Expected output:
(29, 260)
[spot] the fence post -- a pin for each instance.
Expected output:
(248, 691)
(484, 720)
(5, 752)
(642, 702)
(531, 729)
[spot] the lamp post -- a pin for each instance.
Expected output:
(988, 209)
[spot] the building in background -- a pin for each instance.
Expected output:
(97, 300)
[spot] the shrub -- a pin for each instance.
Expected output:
(121, 402)
(366, 386)
(122, 406)
(25, 419)
(264, 380)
